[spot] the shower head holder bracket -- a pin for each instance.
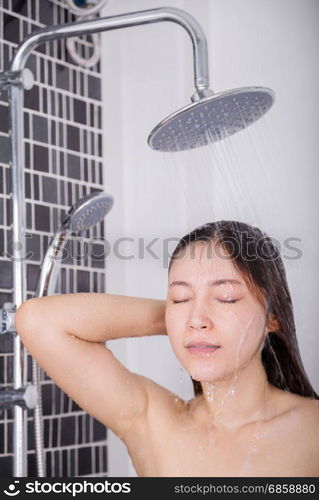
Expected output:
(22, 78)
(26, 397)
(7, 314)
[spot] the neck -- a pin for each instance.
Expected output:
(242, 398)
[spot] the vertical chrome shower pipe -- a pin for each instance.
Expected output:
(19, 271)
(201, 79)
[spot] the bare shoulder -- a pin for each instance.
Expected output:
(163, 409)
(162, 400)
(307, 407)
(151, 433)
(305, 418)
(302, 411)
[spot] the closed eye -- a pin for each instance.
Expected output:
(229, 301)
(222, 301)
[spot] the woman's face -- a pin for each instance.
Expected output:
(204, 310)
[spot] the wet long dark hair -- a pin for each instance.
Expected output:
(258, 260)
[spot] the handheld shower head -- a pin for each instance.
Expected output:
(87, 211)
(211, 119)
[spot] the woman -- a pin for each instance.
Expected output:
(229, 318)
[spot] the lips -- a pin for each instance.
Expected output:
(201, 344)
(201, 347)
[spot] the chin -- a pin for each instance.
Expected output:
(203, 373)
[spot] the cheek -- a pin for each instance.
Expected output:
(174, 321)
(245, 331)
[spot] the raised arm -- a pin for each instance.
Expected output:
(66, 335)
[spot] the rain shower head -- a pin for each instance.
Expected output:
(87, 211)
(211, 119)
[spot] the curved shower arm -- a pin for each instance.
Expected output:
(179, 16)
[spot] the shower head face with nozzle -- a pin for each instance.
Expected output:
(87, 211)
(211, 119)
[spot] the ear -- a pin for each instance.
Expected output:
(272, 323)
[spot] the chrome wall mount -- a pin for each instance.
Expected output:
(22, 78)
(7, 314)
(26, 397)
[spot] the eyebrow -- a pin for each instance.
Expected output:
(211, 283)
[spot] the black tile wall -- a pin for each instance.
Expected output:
(31, 99)
(63, 162)
(4, 119)
(41, 158)
(5, 149)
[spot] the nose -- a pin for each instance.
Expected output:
(199, 319)
(198, 324)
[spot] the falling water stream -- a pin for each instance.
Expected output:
(217, 182)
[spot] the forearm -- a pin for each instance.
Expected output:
(94, 317)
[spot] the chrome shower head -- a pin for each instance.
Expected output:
(211, 119)
(87, 211)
